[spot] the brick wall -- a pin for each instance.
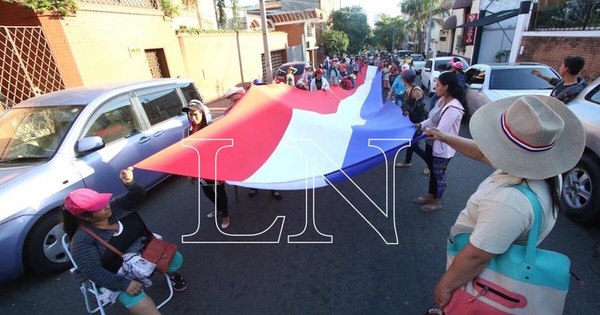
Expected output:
(212, 59)
(552, 50)
(294, 32)
(12, 14)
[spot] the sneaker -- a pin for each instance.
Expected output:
(403, 164)
(178, 282)
(276, 195)
(426, 171)
(225, 223)
(431, 206)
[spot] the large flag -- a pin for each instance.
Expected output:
(280, 137)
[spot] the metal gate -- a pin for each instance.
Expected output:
(27, 66)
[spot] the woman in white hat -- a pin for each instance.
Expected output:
(528, 139)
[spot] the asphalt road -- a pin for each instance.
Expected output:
(360, 271)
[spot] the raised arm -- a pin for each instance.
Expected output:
(465, 146)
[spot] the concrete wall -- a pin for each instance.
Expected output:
(108, 45)
(552, 50)
(213, 62)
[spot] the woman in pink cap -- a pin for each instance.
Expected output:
(87, 215)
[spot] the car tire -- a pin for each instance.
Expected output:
(43, 252)
(578, 201)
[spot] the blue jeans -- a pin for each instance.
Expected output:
(437, 170)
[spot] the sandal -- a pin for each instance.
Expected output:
(421, 200)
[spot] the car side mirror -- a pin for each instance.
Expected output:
(88, 145)
(475, 86)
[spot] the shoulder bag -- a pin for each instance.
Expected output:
(523, 280)
(157, 251)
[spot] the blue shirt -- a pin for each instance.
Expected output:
(398, 86)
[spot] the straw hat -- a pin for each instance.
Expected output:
(533, 137)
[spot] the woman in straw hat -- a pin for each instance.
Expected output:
(528, 139)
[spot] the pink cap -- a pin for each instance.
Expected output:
(86, 200)
(457, 65)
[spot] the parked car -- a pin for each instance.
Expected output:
(418, 62)
(55, 143)
(282, 70)
(486, 83)
(431, 72)
(581, 185)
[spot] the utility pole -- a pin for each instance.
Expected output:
(265, 33)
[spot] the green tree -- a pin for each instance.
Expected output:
(388, 32)
(334, 42)
(418, 12)
(235, 8)
(353, 22)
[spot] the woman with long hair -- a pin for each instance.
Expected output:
(446, 116)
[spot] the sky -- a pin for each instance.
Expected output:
(371, 7)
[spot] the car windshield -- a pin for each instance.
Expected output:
(520, 79)
(417, 57)
(34, 134)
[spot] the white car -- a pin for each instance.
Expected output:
(580, 195)
(431, 71)
(486, 83)
(418, 62)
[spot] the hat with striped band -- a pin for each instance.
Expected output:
(533, 136)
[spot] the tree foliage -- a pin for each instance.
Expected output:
(418, 12)
(334, 42)
(353, 22)
(58, 7)
(388, 32)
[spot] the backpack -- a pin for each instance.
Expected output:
(417, 112)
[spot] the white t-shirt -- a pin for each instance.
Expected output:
(498, 216)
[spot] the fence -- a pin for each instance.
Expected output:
(573, 15)
(28, 66)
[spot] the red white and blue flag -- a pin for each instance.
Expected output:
(281, 137)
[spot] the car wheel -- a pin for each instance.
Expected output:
(579, 201)
(43, 252)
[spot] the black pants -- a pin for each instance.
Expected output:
(209, 192)
(414, 147)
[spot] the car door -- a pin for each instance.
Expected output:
(426, 74)
(476, 83)
(162, 115)
(117, 123)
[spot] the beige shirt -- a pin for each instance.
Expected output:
(498, 216)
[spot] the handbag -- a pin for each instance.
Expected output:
(161, 253)
(134, 264)
(522, 280)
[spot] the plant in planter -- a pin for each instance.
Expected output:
(500, 56)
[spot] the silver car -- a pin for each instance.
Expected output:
(581, 192)
(486, 83)
(80, 137)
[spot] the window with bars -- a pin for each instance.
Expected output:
(28, 65)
